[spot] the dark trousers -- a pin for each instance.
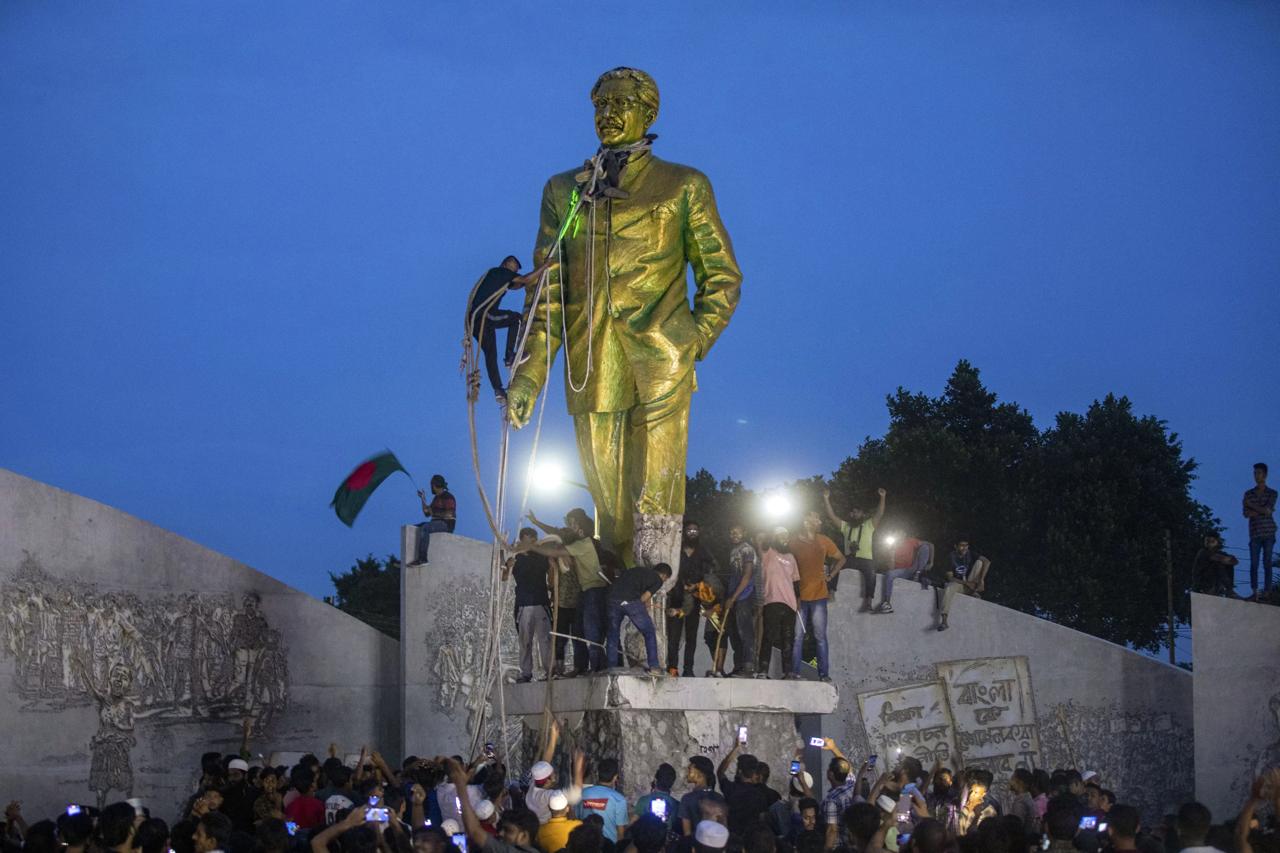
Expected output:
(1260, 549)
(744, 635)
(566, 618)
(688, 626)
(868, 571)
(499, 319)
(591, 624)
(779, 633)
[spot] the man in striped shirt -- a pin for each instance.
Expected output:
(1260, 509)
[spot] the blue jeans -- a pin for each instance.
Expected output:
(591, 613)
(1260, 551)
(814, 614)
(425, 529)
(639, 616)
(887, 592)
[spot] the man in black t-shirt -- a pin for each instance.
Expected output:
(487, 318)
(747, 795)
(533, 615)
(629, 596)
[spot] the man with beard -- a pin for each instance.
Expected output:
(858, 533)
(781, 579)
(696, 566)
(943, 796)
(812, 550)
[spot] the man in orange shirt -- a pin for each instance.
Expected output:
(812, 550)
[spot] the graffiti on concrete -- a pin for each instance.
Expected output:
(910, 720)
(975, 712)
(1146, 754)
(175, 656)
(995, 716)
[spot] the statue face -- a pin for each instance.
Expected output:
(621, 118)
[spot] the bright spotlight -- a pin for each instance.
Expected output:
(891, 540)
(777, 506)
(548, 476)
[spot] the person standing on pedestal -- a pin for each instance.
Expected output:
(589, 620)
(619, 305)
(684, 608)
(812, 550)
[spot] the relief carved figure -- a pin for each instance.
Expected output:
(170, 656)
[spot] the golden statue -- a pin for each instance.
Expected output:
(619, 307)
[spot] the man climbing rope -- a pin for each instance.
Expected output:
(487, 318)
(620, 234)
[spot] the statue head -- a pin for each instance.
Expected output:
(626, 102)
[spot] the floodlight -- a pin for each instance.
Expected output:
(777, 505)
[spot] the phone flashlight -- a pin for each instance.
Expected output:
(742, 734)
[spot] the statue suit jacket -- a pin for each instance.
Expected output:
(645, 336)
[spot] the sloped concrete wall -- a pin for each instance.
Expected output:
(1006, 689)
(1236, 653)
(127, 650)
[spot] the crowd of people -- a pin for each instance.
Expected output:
(447, 805)
(769, 592)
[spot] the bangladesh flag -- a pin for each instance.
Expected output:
(360, 483)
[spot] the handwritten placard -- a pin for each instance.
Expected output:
(913, 718)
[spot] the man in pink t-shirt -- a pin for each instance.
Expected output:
(781, 578)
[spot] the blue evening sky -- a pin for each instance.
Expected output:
(236, 237)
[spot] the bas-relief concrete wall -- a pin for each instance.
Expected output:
(444, 608)
(1236, 652)
(126, 651)
(1006, 689)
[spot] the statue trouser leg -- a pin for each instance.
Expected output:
(634, 463)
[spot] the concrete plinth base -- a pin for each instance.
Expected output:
(645, 721)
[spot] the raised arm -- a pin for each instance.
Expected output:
(544, 318)
(875, 519)
(476, 833)
(724, 763)
(546, 549)
(320, 841)
(531, 276)
(538, 523)
(831, 513)
(553, 737)
(830, 745)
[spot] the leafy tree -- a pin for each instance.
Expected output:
(716, 505)
(1108, 485)
(1073, 517)
(370, 591)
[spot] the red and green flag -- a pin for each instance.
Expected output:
(360, 483)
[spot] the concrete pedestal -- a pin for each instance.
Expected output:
(645, 721)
